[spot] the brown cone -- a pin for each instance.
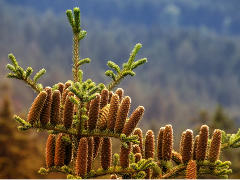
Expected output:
(202, 143)
(55, 108)
(104, 98)
(106, 153)
(110, 96)
(46, 111)
(122, 114)
(50, 150)
(67, 85)
(160, 143)
(176, 157)
(124, 155)
(133, 120)
(68, 113)
(138, 157)
(187, 146)
(36, 108)
(191, 171)
(64, 96)
(167, 143)
(215, 146)
(59, 151)
(97, 143)
(103, 114)
(112, 115)
(90, 154)
(136, 149)
(82, 157)
(195, 147)
(60, 87)
(120, 93)
(93, 112)
(149, 145)
(138, 132)
(181, 142)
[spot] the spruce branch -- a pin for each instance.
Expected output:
(127, 68)
(230, 140)
(78, 34)
(18, 72)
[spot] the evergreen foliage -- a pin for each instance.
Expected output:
(86, 110)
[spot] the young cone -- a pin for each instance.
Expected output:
(59, 151)
(167, 143)
(112, 115)
(122, 114)
(45, 114)
(149, 145)
(93, 112)
(50, 150)
(181, 142)
(106, 153)
(202, 143)
(215, 146)
(187, 146)
(191, 171)
(195, 147)
(82, 157)
(149, 149)
(160, 143)
(138, 132)
(55, 107)
(124, 155)
(68, 113)
(120, 93)
(90, 154)
(133, 120)
(104, 98)
(36, 108)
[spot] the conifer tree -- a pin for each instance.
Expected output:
(81, 115)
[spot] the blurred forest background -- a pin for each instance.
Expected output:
(192, 75)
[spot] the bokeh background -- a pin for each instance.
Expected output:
(192, 76)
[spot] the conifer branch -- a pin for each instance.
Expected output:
(78, 34)
(19, 73)
(127, 68)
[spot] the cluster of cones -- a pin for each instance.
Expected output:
(109, 111)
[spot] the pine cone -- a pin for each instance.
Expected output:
(122, 114)
(36, 108)
(133, 120)
(55, 108)
(82, 157)
(50, 150)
